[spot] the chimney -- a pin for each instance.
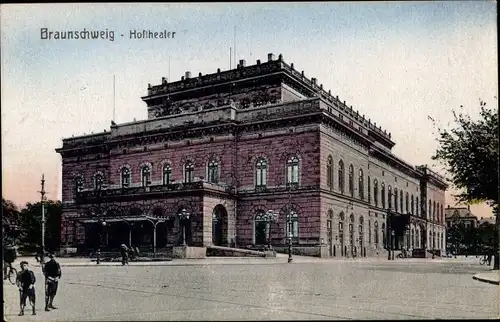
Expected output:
(270, 57)
(163, 80)
(218, 70)
(291, 66)
(242, 63)
(258, 61)
(188, 75)
(313, 80)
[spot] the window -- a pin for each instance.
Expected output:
(375, 225)
(417, 206)
(412, 205)
(98, 180)
(434, 211)
(167, 174)
(188, 172)
(382, 191)
(375, 192)
(145, 176)
(341, 176)
(396, 200)
(401, 201)
(361, 185)
(292, 222)
(261, 173)
(389, 197)
(78, 183)
(125, 177)
(292, 170)
(369, 190)
(329, 172)
(351, 180)
(442, 215)
(213, 171)
(429, 211)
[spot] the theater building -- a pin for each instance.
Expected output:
(227, 148)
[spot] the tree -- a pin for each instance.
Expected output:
(470, 154)
(10, 221)
(31, 225)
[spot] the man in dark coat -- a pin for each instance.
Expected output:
(52, 272)
(26, 283)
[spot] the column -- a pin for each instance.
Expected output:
(154, 237)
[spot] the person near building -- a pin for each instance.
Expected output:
(125, 254)
(52, 272)
(26, 282)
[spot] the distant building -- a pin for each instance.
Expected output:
(490, 220)
(455, 215)
(226, 148)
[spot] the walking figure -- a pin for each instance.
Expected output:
(124, 253)
(52, 272)
(26, 282)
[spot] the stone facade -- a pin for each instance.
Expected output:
(229, 147)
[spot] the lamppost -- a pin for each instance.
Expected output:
(102, 226)
(183, 215)
(289, 233)
(269, 217)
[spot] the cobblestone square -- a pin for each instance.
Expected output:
(268, 290)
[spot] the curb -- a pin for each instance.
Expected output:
(484, 280)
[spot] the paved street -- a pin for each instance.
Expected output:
(262, 290)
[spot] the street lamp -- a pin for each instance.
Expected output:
(289, 235)
(183, 215)
(102, 226)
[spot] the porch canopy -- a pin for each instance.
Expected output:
(130, 220)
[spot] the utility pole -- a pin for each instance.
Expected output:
(42, 193)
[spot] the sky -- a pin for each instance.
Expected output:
(399, 63)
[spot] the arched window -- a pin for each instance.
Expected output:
(361, 233)
(341, 176)
(417, 206)
(78, 183)
(145, 176)
(412, 205)
(213, 171)
(375, 226)
(188, 172)
(292, 222)
(292, 170)
(351, 180)
(389, 196)
(413, 244)
(329, 172)
(361, 185)
(351, 230)
(375, 192)
(382, 193)
(396, 200)
(261, 173)
(125, 177)
(401, 200)
(98, 180)
(167, 174)
(369, 190)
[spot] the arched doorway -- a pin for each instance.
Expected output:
(219, 226)
(260, 229)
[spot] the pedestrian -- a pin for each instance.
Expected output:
(52, 272)
(124, 253)
(26, 282)
(490, 256)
